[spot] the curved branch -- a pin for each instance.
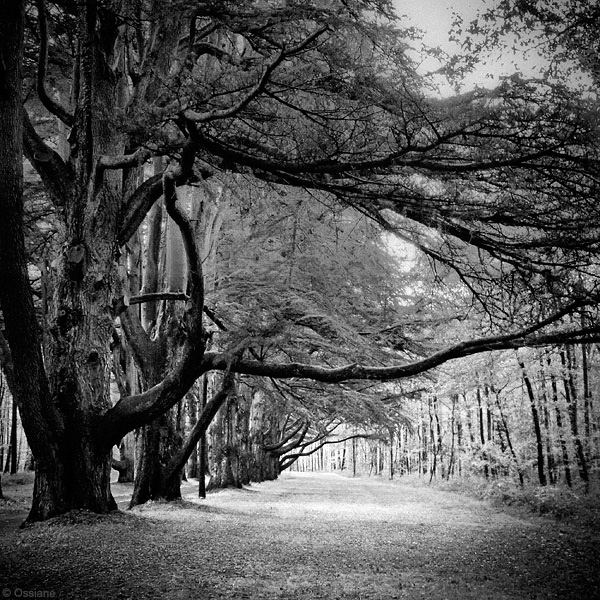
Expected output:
(204, 420)
(145, 350)
(55, 174)
(192, 251)
(136, 159)
(54, 107)
(302, 425)
(157, 297)
(138, 205)
(214, 361)
(287, 461)
(137, 410)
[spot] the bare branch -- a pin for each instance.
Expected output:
(290, 459)
(136, 159)
(216, 114)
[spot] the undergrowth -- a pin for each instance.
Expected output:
(556, 501)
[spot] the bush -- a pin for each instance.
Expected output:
(557, 502)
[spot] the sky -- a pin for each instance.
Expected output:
(435, 18)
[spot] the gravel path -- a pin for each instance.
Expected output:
(303, 537)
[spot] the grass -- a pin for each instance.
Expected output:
(559, 502)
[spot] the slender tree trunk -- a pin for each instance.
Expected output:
(559, 426)
(459, 439)
(432, 438)
(438, 436)
(192, 412)
(587, 395)
(546, 414)
(484, 455)
(509, 442)
(203, 450)
(391, 455)
(536, 426)
(12, 458)
(490, 432)
(572, 406)
(450, 471)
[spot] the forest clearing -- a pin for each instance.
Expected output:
(304, 536)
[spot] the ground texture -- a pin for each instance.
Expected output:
(302, 537)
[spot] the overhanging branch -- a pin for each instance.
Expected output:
(214, 361)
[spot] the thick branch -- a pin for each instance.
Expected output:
(301, 425)
(143, 198)
(136, 159)
(138, 205)
(55, 174)
(137, 410)
(134, 411)
(157, 297)
(192, 251)
(205, 419)
(355, 371)
(147, 353)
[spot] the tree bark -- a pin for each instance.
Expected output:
(73, 467)
(12, 458)
(536, 426)
(559, 425)
(509, 442)
(484, 455)
(571, 396)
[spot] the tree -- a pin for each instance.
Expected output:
(325, 99)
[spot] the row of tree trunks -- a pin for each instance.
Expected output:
(237, 440)
(539, 434)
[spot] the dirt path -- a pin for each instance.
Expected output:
(304, 537)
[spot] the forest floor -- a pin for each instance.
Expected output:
(304, 537)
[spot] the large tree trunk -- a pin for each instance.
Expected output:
(15, 295)
(158, 442)
(80, 481)
(224, 448)
(264, 465)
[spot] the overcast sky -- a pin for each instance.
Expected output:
(435, 18)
